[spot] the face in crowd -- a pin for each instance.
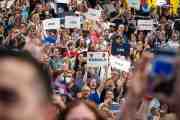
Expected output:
(81, 110)
(23, 95)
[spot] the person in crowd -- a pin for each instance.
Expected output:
(138, 89)
(25, 90)
(94, 91)
(115, 28)
(81, 110)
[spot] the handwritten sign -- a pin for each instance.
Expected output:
(72, 22)
(95, 59)
(145, 24)
(53, 23)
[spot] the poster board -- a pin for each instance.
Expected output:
(96, 59)
(161, 2)
(145, 24)
(120, 64)
(93, 14)
(72, 22)
(62, 1)
(53, 23)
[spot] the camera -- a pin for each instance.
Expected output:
(162, 72)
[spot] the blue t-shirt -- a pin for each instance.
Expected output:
(94, 96)
(121, 49)
(50, 40)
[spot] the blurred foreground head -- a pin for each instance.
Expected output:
(81, 110)
(24, 87)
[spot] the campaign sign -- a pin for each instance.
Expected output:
(145, 24)
(93, 14)
(120, 64)
(62, 1)
(53, 23)
(72, 22)
(161, 2)
(96, 59)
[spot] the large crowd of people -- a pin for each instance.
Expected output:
(97, 59)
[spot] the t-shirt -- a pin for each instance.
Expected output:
(120, 49)
(50, 40)
(71, 54)
(94, 96)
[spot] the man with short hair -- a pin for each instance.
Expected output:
(25, 92)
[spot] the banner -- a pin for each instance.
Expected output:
(93, 14)
(120, 64)
(134, 4)
(96, 59)
(53, 23)
(72, 22)
(145, 24)
(62, 1)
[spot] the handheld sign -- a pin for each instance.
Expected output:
(145, 24)
(62, 1)
(53, 23)
(120, 64)
(96, 59)
(72, 22)
(93, 14)
(161, 2)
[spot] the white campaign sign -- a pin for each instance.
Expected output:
(161, 2)
(145, 24)
(93, 14)
(72, 22)
(62, 1)
(96, 59)
(120, 64)
(53, 23)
